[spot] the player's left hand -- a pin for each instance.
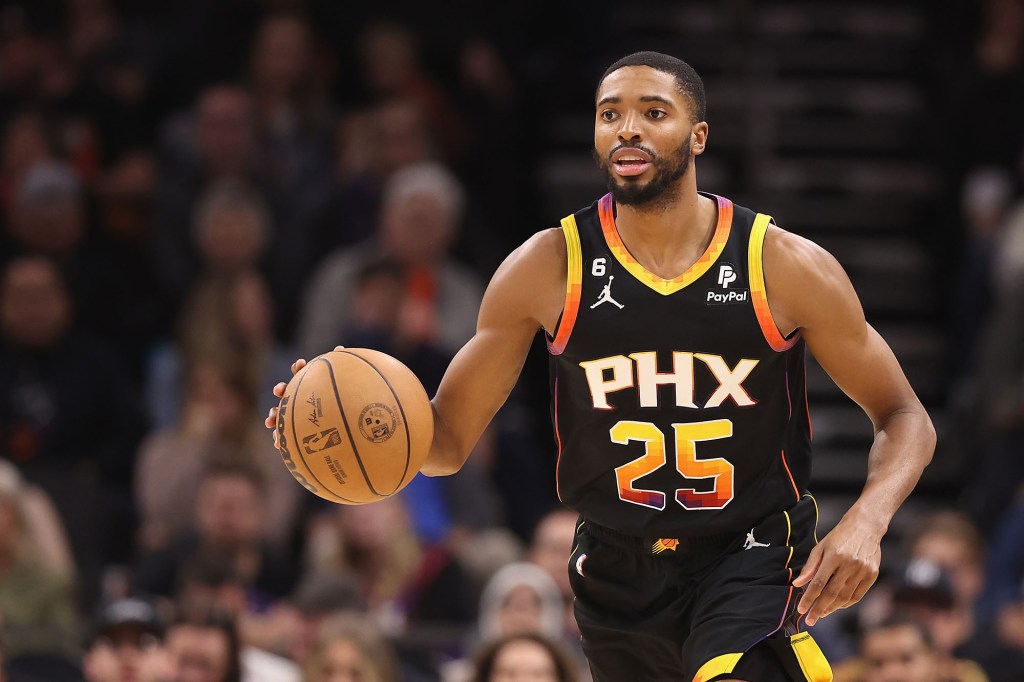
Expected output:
(840, 568)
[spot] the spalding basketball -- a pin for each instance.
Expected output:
(354, 426)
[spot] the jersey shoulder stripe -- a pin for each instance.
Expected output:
(573, 286)
(758, 291)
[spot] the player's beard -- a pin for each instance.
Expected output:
(660, 191)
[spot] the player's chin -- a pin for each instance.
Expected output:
(631, 181)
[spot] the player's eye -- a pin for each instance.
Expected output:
(656, 114)
(608, 115)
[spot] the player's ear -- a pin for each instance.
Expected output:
(698, 138)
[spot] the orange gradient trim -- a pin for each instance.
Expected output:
(807, 408)
(758, 292)
(659, 284)
(573, 286)
(790, 474)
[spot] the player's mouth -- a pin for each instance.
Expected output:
(630, 161)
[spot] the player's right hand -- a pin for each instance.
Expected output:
(271, 421)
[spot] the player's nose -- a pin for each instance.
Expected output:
(629, 129)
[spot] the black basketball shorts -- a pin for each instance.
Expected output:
(671, 609)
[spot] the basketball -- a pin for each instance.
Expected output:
(354, 426)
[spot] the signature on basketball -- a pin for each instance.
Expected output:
(317, 409)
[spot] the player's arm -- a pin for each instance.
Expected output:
(525, 294)
(808, 289)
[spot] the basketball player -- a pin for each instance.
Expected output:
(677, 324)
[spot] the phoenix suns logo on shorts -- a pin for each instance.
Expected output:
(377, 422)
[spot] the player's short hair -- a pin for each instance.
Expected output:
(688, 82)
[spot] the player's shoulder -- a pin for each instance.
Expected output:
(542, 255)
(791, 256)
(531, 281)
(803, 280)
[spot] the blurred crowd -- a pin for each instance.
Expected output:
(193, 194)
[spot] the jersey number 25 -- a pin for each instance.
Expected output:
(687, 436)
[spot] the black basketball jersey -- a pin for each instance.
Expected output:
(678, 407)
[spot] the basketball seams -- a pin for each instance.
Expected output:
(401, 410)
(348, 429)
(298, 452)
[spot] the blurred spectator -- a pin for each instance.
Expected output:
(228, 316)
(204, 647)
(384, 317)
(110, 87)
(230, 519)
(1004, 570)
(20, 54)
(67, 416)
(125, 195)
(901, 650)
(404, 583)
(489, 98)
(996, 83)
(349, 648)
(211, 581)
(48, 214)
(998, 646)
(391, 69)
(217, 424)
(950, 540)
(924, 591)
(228, 323)
(550, 549)
(318, 597)
(997, 417)
(524, 657)
(985, 198)
(216, 141)
(26, 142)
(484, 552)
(112, 293)
(420, 214)
(126, 644)
(232, 225)
(37, 607)
(371, 146)
(520, 598)
(552, 545)
(293, 119)
(91, 26)
(291, 109)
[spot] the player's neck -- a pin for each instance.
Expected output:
(669, 239)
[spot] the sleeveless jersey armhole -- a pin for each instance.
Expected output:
(758, 291)
(573, 285)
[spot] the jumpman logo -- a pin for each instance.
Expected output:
(606, 295)
(751, 542)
